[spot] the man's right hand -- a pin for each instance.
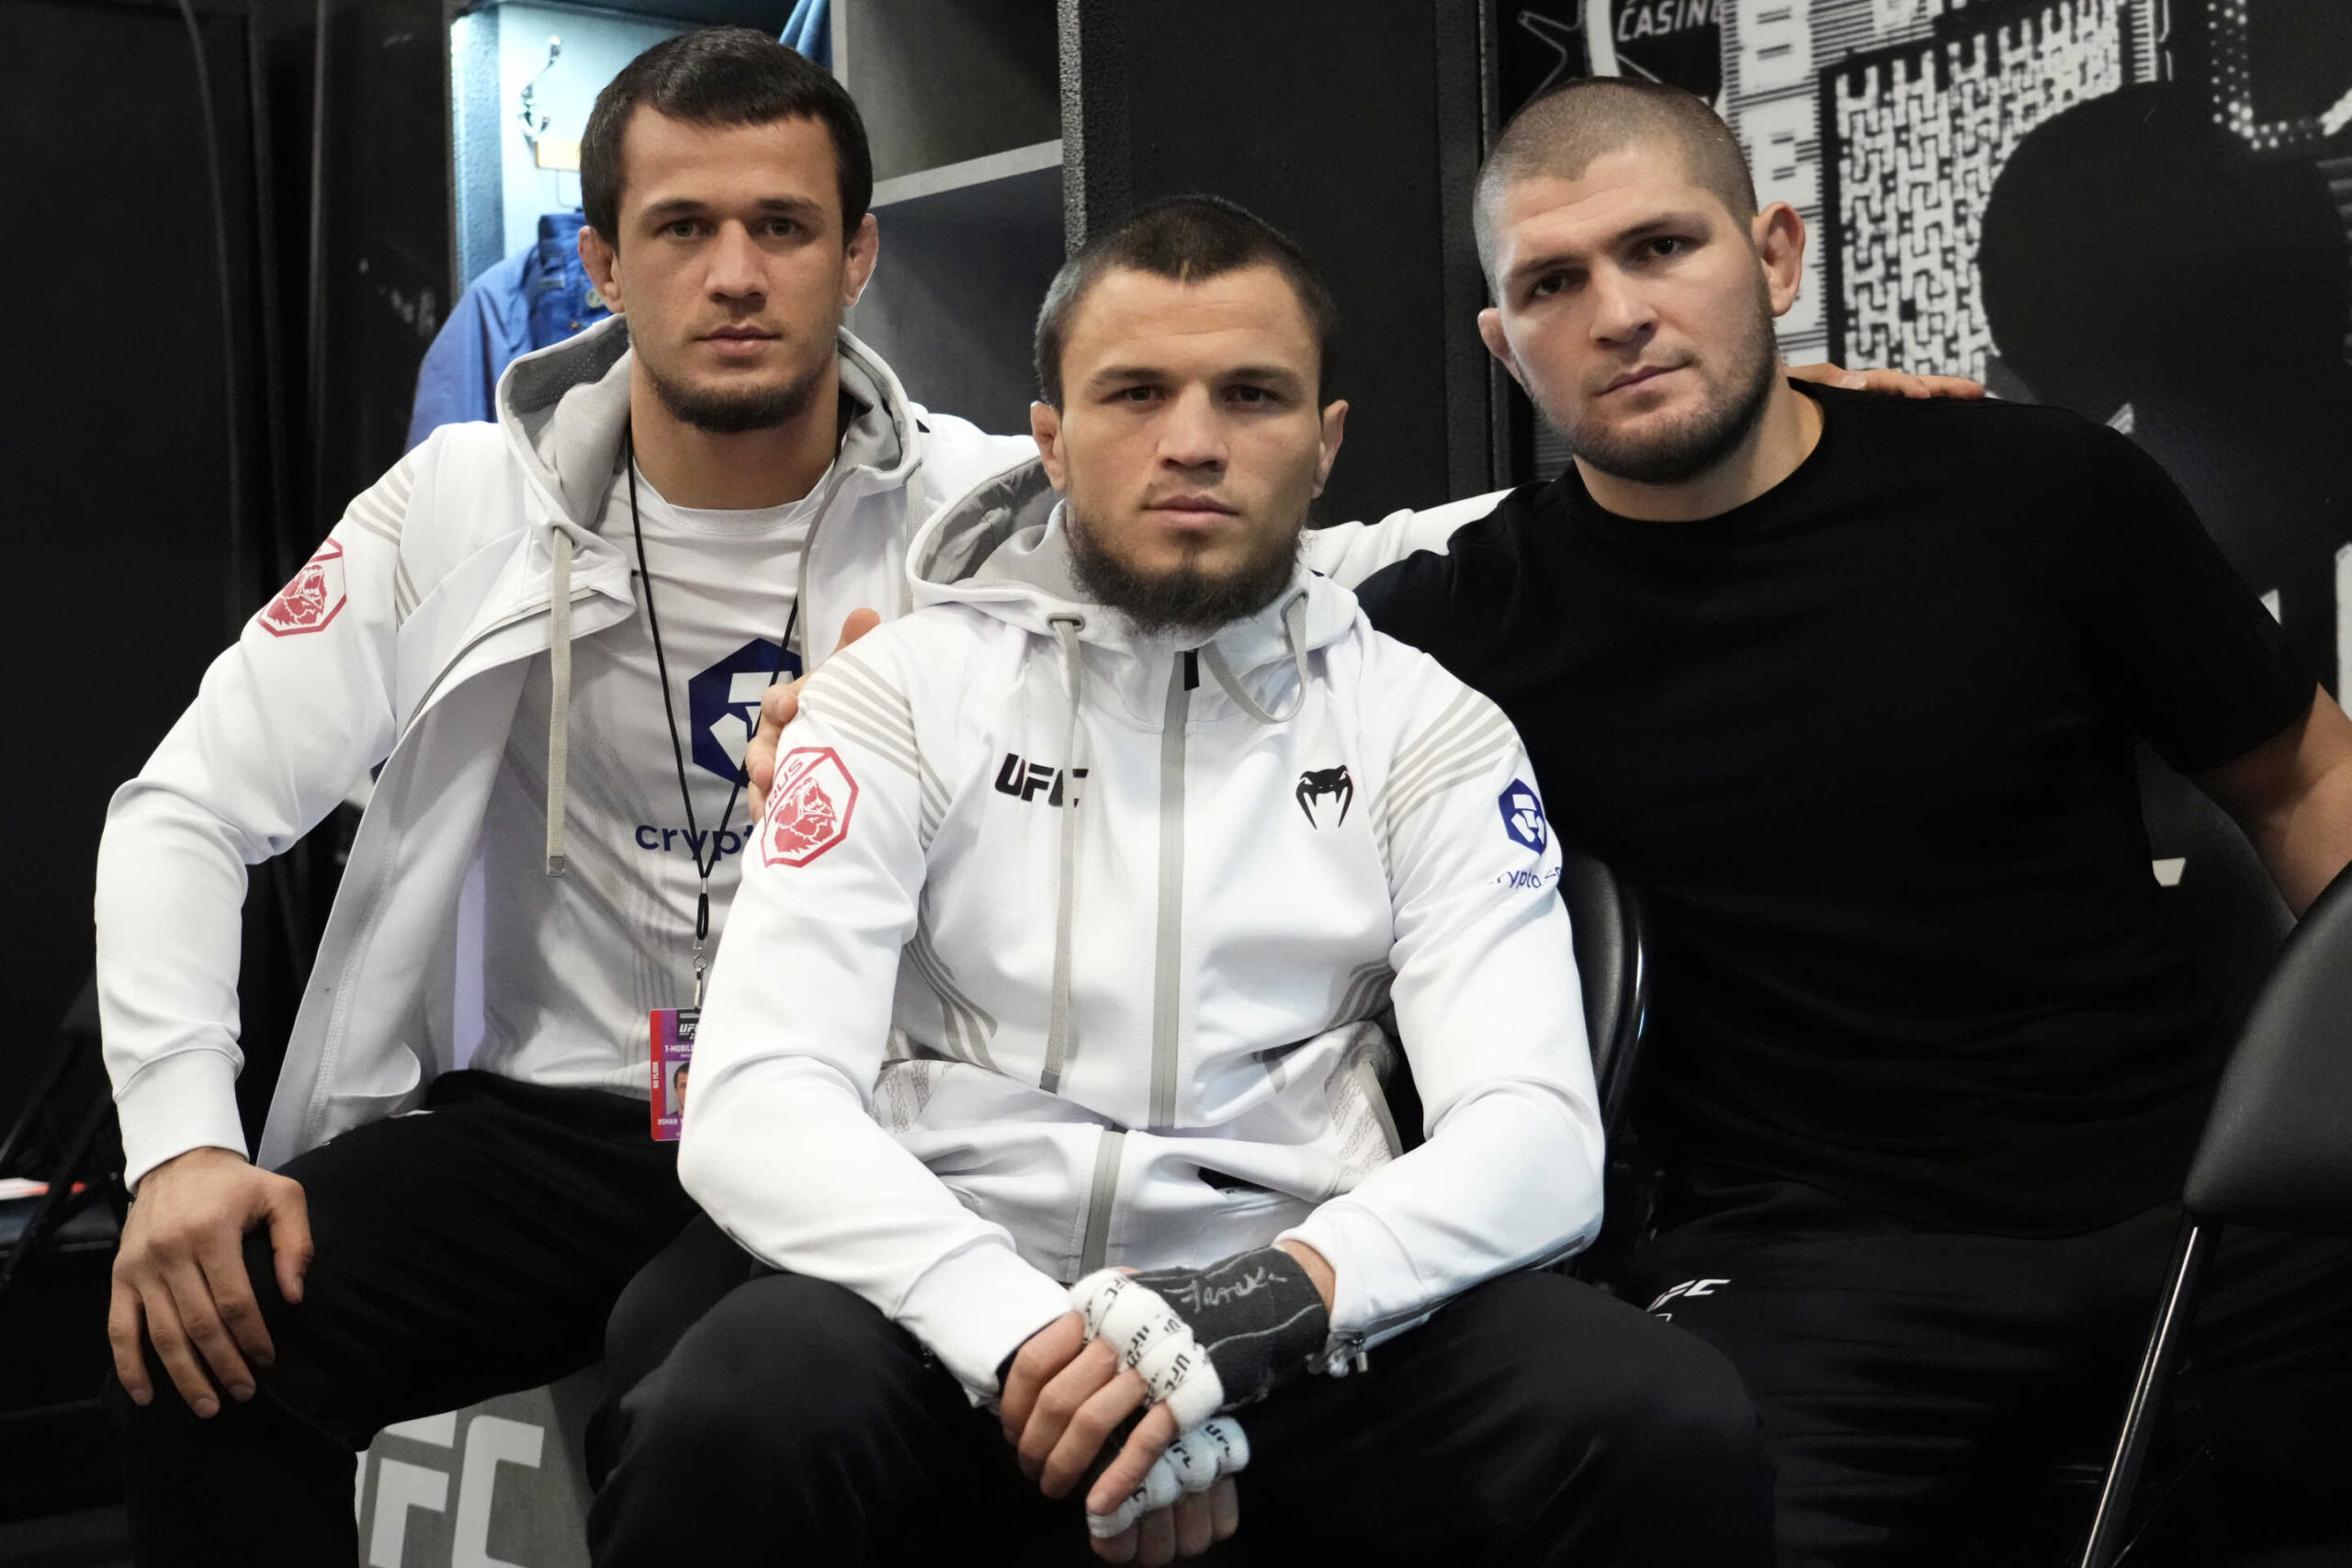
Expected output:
(779, 705)
(179, 1277)
(1058, 1409)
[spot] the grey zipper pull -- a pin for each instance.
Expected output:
(1343, 1355)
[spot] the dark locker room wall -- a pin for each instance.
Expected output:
(129, 571)
(1355, 130)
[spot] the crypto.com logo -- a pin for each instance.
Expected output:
(723, 704)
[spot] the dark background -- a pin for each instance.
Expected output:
(178, 454)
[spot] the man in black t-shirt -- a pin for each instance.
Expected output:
(1850, 688)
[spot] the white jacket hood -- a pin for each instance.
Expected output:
(1003, 548)
(565, 413)
(564, 410)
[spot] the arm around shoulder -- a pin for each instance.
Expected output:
(1347, 553)
(2292, 797)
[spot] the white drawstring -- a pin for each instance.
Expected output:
(558, 688)
(1294, 634)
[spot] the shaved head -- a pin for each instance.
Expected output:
(1560, 133)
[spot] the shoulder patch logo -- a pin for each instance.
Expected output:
(311, 600)
(1523, 817)
(1319, 784)
(808, 807)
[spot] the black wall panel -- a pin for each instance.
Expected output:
(130, 568)
(1353, 127)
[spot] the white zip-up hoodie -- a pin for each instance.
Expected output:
(1060, 947)
(405, 643)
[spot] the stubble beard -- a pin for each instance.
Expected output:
(732, 411)
(1700, 441)
(1185, 597)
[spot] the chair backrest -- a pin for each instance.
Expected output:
(1612, 960)
(2278, 1148)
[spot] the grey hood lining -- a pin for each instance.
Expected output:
(566, 407)
(566, 412)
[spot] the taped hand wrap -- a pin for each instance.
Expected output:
(1208, 1340)
(1193, 1463)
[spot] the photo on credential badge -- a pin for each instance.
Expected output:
(673, 1051)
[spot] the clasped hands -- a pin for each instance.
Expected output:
(1077, 1385)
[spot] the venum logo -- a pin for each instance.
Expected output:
(1523, 817)
(311, 600)
(1319, 786)
(723, 703)
(808, 808)
(1027, 781)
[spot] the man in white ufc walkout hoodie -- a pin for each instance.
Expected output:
(1070, 942)
(462, 1115)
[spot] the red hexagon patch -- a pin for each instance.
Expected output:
(311, 600)
(808, 806)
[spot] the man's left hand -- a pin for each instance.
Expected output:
(1896, 381)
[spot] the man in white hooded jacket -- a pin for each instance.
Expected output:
(1065, 945)
(548, 635)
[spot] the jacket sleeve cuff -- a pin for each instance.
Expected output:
(1374, 1283)
(187, 1101)
(976, 1307)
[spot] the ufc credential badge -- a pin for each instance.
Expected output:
(673, 1053)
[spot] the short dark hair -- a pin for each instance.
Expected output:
(721, 76)
(1565, 130)
(1189, 238)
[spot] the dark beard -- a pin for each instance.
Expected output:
(735, 412)
(1700, 441)
(1186, 598)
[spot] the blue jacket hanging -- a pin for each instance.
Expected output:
(539, 296)
(806, 30)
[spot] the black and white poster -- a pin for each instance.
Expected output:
(2139, 209)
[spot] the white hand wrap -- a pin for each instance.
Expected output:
(1193, 1463)
(1209, 1339)
(1155, 1341)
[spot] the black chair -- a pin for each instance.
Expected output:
(65, 1136)
(2274, 1153)
(1612, 960)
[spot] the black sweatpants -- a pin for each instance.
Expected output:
(1533, 1420)
(1918, 1386)
(473, 1247)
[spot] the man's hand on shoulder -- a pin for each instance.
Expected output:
(1895, 381)
(180, 1281)
(778, 706)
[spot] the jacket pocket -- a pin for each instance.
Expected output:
(394, 1084)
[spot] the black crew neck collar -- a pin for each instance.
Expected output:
(1749, 517)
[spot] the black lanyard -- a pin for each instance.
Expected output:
(703, 866)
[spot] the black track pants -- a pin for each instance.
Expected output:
(1916, 1387)
(1533, 1420)
(472, 1248)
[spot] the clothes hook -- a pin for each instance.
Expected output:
(535, 126)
